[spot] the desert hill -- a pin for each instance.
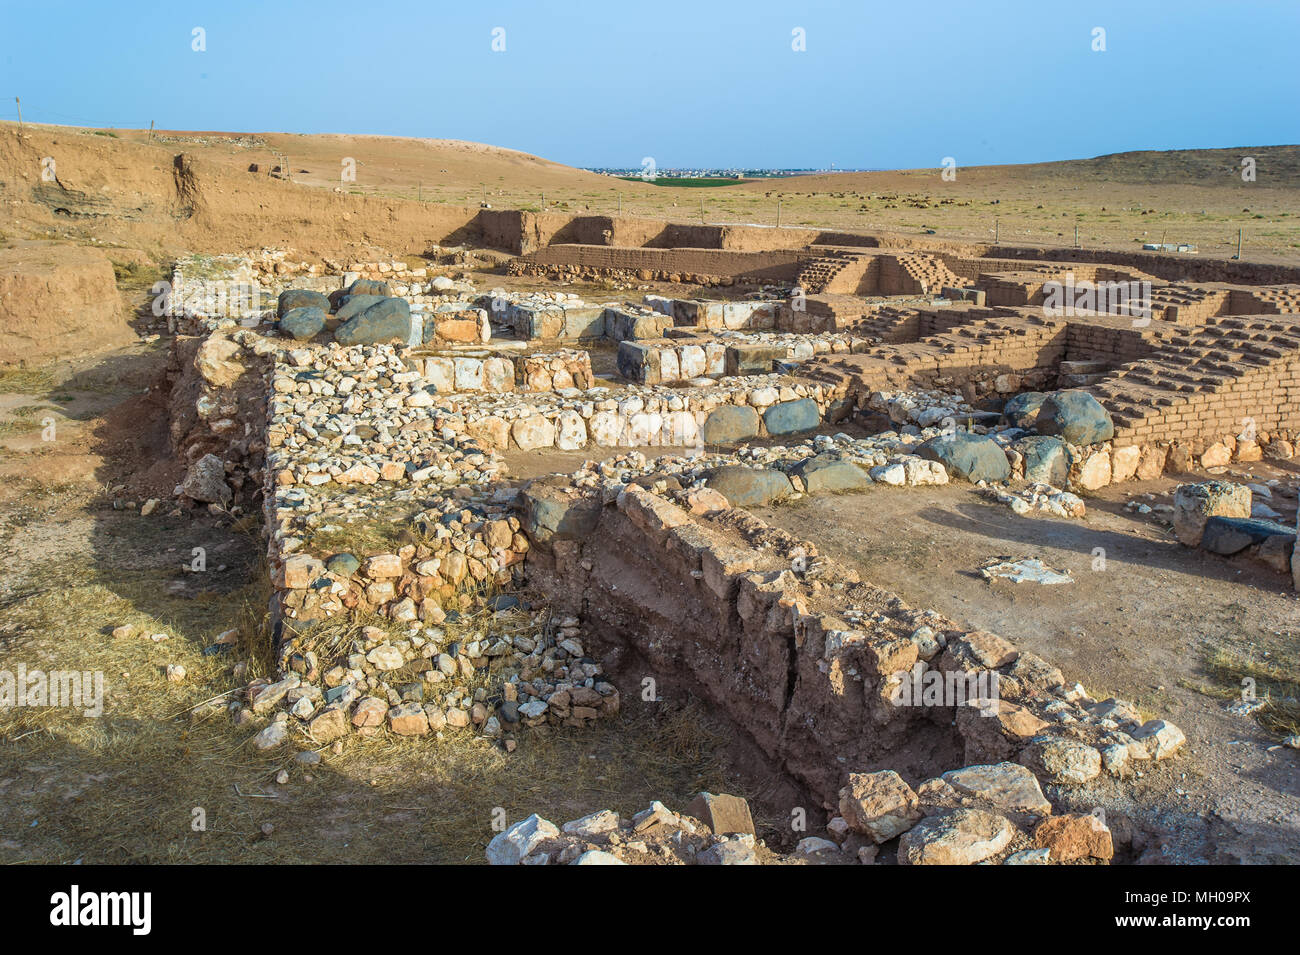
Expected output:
(229, 192)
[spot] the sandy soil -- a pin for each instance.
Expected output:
(1140, 629)
(121, 187)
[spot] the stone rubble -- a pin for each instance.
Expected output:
(396, 542)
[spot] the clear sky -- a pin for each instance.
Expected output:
(901, 83)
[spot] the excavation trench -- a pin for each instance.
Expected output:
(712, 608)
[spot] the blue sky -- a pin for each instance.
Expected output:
(880, 85)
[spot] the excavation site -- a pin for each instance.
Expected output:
(469, 508)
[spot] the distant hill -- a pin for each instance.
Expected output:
(1275, 167)
(214, 191)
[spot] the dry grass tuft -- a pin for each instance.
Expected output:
(25, 381)
(1277, 683)
(128, 786)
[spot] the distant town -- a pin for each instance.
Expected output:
(705, 172)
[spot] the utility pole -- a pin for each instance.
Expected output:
(1076, 235)
(151, 130)
(778, 213)
(997, 226)
(20, 115)
(1238, 255)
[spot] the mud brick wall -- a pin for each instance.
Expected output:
(820, 314)
(1012, 290)
(1113, 343)
(773, 265)
(899, 325)
(1264, 301)
(928, 273)
(524, 232)
(895, 279)
(891, 325)
(1183, 305)
(973, 268)
(972, 355)
(1270, 396)
(1031, 353)
(1169, 267)
(843, 272)
(713, 619)
(1201, 385)
(940, 321)
(858, 275)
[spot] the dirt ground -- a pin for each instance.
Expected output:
(83, 444)
(121, 189)
(77, 559)
(1154, 627)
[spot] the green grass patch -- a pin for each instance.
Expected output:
(137, 275)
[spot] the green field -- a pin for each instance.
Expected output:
(685, 183)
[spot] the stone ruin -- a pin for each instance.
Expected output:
(375, 399)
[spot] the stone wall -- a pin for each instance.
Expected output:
(665, 361)
(806, 659)
(753, 315)
(700, 266)
(639, 416)
(555, 371)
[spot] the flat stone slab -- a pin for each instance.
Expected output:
(1007, 786)
(1026, 570)
(1231, 535)
(961, 837)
